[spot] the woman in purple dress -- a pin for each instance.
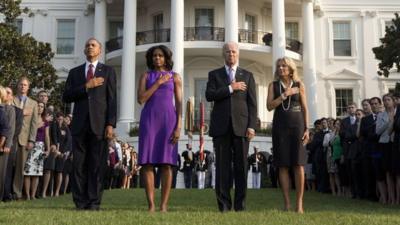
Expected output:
(160, 121)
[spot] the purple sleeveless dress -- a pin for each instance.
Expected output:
(157, 124)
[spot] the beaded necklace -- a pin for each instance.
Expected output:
(290, 97)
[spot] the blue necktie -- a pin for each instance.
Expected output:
(231, 75)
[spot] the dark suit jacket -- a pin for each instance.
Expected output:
(240, 107)
(396, 126)
(348, 135)
(368, 134)
(98, 105)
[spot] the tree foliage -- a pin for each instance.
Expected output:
(22, 55)
(389, 51)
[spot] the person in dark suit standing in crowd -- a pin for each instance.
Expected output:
(92, 88)
(188, 165)
(370, 138)
(9, 115)
(8, 182)
(232, 126)
(348, 136)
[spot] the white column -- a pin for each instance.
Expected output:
(100, 24)
(309, 70)
(177, 45)
(278, 30)
(231, 20)
(177, 35)
(128, 86)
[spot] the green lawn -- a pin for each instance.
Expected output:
(199, 207)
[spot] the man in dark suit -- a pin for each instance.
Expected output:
(233, 122)
(188, 165)
(348, 137)
(10, 170)
(370, 140)
(92, 89)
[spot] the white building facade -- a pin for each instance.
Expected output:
(330, 40)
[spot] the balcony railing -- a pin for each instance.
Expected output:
(291, 44)
(203, 34)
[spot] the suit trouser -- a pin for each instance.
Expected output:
(18, 183)
(187, 177)
(89, 165)
(201, 177)
(231, 150)
(9, 177)
(256, 180)
(3, 171)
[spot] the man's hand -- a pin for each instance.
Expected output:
(29, 146)
(250, 133)
(95, 82)
(109, 132)
(27, 112)
(6, 150)
(238, 86)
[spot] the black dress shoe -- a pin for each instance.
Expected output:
(93, 208)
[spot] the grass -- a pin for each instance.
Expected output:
(199, 207)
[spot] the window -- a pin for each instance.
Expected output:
(343, 98)
(200, 94)
(292, 30)
(341, 38)
(65, 37)
(158, 25)
(204, 22)
(18, 25)
(389, 23)
(116, 29)
(250, 27)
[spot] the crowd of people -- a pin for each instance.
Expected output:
(358, 156)
(35, 159)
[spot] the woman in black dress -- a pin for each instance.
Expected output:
(289, 127)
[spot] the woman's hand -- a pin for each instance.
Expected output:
(306, 137)
(292, 91)
(175, 136)
(163, 78)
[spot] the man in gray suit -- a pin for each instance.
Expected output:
(27, 135)
(233, 122)
(9, 112)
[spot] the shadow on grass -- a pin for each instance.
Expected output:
(263, 201)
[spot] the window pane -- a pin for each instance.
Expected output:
(204, 17)
(342, 47)
(250, 22)
(341, 30)
(204, 22)
(65, 36)
(18, 25)
(116, 29)
(389, 23)
(343, 98)
(292, 30)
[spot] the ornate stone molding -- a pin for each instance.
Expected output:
(372, 13)
(42, 12)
